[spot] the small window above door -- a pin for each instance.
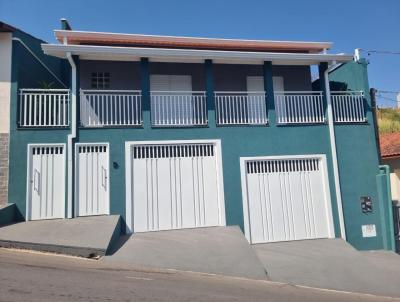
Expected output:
(100, 80)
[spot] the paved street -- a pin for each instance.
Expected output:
(26, 276)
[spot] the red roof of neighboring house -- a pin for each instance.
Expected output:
(390, 145)
(136, 40)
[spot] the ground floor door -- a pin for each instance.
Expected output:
(175, 185)
(92, 179)
(286, 198)
(46, 182)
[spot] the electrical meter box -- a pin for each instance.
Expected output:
(366, 204)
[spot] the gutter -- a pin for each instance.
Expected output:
(72, 136)
(334, 155)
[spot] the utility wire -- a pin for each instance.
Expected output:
(388, 91)
(383, 52)
(386, 98)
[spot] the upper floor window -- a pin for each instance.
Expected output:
(100, 80)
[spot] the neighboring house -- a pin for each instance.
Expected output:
(177, 132)
(15, 45)
(390, 153)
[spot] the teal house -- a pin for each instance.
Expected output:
(179, 132)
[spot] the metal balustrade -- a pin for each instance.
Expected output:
(241, 108)
(44, 108)
(299, 107)
(178, 108)
(348, 106)
(102, 108)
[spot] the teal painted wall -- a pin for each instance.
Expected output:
(27, 72)
(358, 159)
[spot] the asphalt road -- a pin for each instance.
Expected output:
(26, 276)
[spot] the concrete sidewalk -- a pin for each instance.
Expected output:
(83, 236)
(217, 250)
(331, 264)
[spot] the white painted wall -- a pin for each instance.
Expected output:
(395, 185)
(5, 81)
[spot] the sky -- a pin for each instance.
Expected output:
(349, 24)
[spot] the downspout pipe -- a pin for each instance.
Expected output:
(71, 137)
(334, 154)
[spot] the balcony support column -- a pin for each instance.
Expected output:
(209, 73)
(145, 88)
(269, 91)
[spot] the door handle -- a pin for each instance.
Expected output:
(104, 178)
(36, 181)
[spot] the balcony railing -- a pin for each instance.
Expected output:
(299, 107)
(178, 108)
(110, 108)
(44, 108)
(241, 108)
(348, 106)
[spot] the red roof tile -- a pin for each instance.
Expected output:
(390, 144)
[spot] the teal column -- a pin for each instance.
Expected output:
(208, 65)
(145, 87)
(14, 102)
(269, 92)
(385, 207)
(322, 67)
(78, 93)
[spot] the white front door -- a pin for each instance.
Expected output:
(92, 179)
(286, 198)
(176, 186)
(46, 182)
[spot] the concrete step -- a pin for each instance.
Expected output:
(83, 236)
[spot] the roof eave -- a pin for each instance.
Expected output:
(60, 50)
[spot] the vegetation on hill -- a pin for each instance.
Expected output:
(388, 120)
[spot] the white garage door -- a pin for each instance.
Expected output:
(92, 181)
(46, 182)
(176, 186)
(286, 199)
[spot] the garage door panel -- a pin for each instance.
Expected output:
(82, 183)
(278, 209)
(175, 189)
(301, 218)
(140, 212)
(255, 203)
(286, 199)
(180, 185)
(209, 186)
(188, 193)
(165, 206)
(321, 227)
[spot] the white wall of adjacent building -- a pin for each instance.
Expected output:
(5, 81)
